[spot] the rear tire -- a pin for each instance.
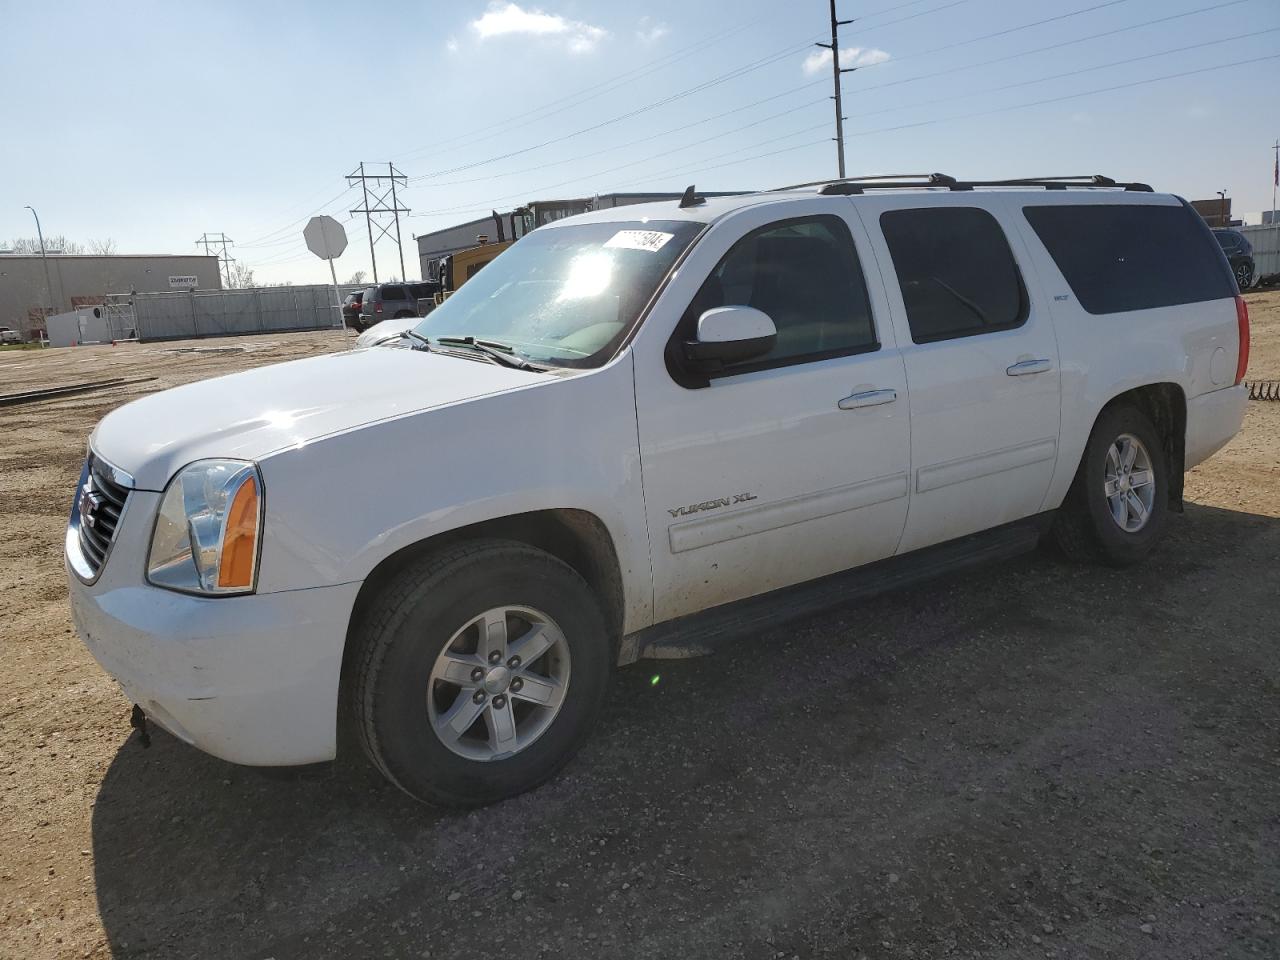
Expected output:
(426, 663)
(1244, 277)
(1115, 512)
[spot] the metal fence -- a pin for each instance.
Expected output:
(1266, 249)
(220, 313)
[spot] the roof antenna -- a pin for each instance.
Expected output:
(691, 198)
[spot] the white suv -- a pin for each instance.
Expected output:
(643, 424)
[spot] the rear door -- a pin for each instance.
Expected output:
(981, 361)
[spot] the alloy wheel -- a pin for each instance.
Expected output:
(499, 683)
(1129, 483)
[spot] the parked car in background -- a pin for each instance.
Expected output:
(1239, 253)
(351, 310)
(9, 335)
(387, 301)
(642, 424)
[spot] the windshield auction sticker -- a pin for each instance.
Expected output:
(651, 240)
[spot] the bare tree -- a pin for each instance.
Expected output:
(55, 243)
(241, 276)
(357, 277)
(103, 248)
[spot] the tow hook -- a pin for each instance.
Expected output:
(138, 720)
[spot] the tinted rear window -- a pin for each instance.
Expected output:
(393, 293)
(956, 271)
(370, 295)
(1118, 257)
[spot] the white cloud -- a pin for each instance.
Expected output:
(451, 44)
(651, 31)
(853, 57)
(501, 19)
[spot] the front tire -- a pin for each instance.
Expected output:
(480, 671)
(1244, 277)
(1116, 509)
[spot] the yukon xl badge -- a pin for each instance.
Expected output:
(715, 504)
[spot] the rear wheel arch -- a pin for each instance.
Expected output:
(578, 538)
(1165, 405)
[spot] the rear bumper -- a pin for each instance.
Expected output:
(1212, 420)
(252, 679)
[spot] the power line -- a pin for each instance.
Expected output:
(1069, 96)
(701, 165)
(1052, 46)
(1072, 73)
(596, 90)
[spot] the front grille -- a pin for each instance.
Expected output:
(100, 502)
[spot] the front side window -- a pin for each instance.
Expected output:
(805, 275)
(956, 271)
(1119, 257)
(565, 296)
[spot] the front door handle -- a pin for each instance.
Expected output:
(1024, 367)
(867, 398)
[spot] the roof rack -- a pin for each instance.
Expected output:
(857, 185)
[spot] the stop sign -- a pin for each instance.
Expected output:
(325, 237)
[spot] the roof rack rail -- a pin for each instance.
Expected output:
(941, 180)
(866, 179)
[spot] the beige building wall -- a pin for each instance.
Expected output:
(82, 280)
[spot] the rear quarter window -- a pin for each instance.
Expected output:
(1122, 257)
(393, 293)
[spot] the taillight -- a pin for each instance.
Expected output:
(377, 306)
(1242, 320)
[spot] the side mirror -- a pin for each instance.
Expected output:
(730, 335)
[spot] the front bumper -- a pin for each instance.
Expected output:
(251, 679)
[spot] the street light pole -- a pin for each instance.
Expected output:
(44, 257)
(1222, 208)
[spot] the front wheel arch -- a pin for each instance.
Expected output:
(578, 538)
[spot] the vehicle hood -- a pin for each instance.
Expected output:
(257, 412)
(387, 331)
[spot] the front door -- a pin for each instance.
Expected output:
(786, 467)
(981, 359)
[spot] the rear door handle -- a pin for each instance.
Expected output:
(1024, 367)
(868, 398)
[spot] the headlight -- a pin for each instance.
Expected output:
(206, 536)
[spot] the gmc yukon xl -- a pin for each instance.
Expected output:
(635, 427)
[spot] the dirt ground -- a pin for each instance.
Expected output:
(1032, 759)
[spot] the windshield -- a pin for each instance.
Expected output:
(567, 295)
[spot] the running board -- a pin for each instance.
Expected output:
(699, 633)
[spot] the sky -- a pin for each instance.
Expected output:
(152, 124)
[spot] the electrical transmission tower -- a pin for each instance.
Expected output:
(381, 188)
(219, 246)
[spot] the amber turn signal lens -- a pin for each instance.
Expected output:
(240, 542)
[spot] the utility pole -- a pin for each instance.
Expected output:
(385, 201)
(44, 259)
(221, 241)
(1222, 208)
(834, 47)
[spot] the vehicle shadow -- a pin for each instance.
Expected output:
(945, 736)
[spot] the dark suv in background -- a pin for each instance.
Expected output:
(388, 301)
(351, 309)
(1239, 254)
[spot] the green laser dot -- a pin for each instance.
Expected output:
(653, 681)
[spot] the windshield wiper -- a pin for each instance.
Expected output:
(495, 350)
(413, 335)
